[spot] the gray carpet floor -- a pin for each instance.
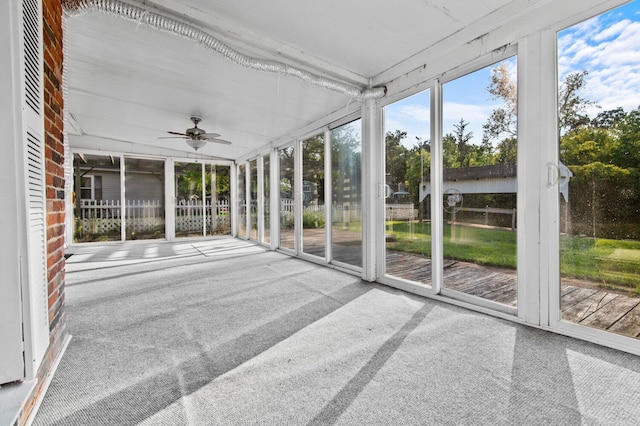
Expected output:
(223, 332)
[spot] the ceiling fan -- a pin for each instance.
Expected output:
(196, 137)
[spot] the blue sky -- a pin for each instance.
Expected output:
(608, 46)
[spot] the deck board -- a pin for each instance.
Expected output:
(581, 310)
(611, 312)
(629, 324)
(576, 296)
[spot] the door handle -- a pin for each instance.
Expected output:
(553, 174)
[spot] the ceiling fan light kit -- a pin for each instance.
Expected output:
(196, 143)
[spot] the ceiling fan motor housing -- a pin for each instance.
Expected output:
(195, 132)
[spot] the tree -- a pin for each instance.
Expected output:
(418, 167)
(586, 145)
(395, 158)
(449, 151)
(571, 105)
(503, 121)
(610, 119)
(628, 149)
(313, 168)
(346, 164)
(507, 151)
(462, 143)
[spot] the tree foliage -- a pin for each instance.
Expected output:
(395, 158)
(503, 121)
(572, 105)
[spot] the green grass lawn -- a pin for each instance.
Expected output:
(609, 263)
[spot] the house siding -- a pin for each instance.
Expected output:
(110, 186)
(139, 186)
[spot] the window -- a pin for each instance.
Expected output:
(87, 189)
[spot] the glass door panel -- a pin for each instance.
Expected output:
(313, 213)
(346, 207)
(218, 217)
(480, 183)
(599, 174)
(266, 199)
(189, 207)
(242, 201)
(286, 160)
(144, 198)
(96, 202)
(407, 204)
(253, 198)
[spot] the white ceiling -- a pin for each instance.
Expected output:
(127, 84)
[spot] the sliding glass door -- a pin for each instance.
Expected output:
(242, 201)
(266, 199)
(97, 209)
(346, 194)
(472, 170)
(407, 221)
(286, 161)
(190, 208)
(479, 184)
(144, 198)
(313, 203)
(253, 199)
(598, 176)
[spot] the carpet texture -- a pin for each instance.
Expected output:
(224, 332)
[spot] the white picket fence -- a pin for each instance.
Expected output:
(189, 216)
(105, 216)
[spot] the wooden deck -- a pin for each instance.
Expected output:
(581, 302)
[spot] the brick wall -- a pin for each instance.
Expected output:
(54, 159)
(54, 164)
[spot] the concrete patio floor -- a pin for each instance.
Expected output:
(226, 332)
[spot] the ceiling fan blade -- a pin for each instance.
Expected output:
(178, 133)
(173, 137)
(216, 140)
(210, 135)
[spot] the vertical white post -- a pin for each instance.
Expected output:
(297, 197)
(372, 191)
(437, 245)
(233, 202)
(328, 217)
(542, 256)
(203, 198)
(260, 198)
(169, 200)
(123, 205)
(247, 198)
(274, 195)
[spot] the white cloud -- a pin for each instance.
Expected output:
(472, 113)
(611, 54)
(415, 112)
(613, 31)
